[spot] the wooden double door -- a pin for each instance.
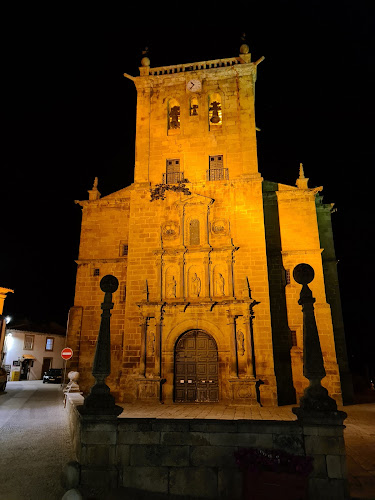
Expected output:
(196, 368)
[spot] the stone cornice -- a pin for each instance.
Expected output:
(93, 261)
(287, 253)
(103, 202)
(181, 249)
(181, 73)
(235, 306)
(112, 201)
(295, 193)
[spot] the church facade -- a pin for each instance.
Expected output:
(204, 250)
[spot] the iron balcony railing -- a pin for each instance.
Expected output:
(172, 177)
(217, 174)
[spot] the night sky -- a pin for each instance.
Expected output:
(70, 116)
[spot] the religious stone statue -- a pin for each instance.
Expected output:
(171, 287)
(219, 285)
(195, 285)
(150, 343)
(240, 343)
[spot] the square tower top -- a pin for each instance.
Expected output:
(196, 121)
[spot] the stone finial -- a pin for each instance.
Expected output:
(245, 55)
(315, 397)
(100, 402)
(145, 63)
(302, 181)
(94, 193)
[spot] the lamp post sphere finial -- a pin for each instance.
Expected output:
(109, 283)
(303, 274)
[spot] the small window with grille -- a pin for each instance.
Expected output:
(287, 276)
(293, 334)
(96, 272)
(123, 248)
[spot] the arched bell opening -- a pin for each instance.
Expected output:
(196, 377)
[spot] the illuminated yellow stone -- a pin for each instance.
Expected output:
(189, 257)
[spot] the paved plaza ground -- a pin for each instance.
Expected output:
(34, 441)
(35, 444)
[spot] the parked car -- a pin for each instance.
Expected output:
(53, 376)
(3, 379)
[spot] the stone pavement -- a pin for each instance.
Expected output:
(34, 441)
(35, 444)
(360, 449)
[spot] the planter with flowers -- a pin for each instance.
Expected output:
(268, 473)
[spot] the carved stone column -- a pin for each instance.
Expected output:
(230, 287)
(245, 365)
(142, 359)
(148, 383)
(158, 339)
(207, 284)
(151, 366)
(233, 365)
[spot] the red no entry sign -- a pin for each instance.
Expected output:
(66, 353)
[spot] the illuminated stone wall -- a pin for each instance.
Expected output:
(186, 262)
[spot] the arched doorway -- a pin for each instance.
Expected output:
(196, 368)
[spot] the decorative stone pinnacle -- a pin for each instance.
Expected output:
(302, 181)
(94, 193)
(100, 402)
(316, 396)
(301, 172)
(245, 50)
(145, 61)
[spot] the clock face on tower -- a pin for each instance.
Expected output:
(194, 86)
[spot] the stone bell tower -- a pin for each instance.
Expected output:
(201, 115)
(200, 240)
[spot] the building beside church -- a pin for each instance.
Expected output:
(30, 349)
(204, 250)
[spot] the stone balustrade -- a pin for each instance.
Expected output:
(181, 68)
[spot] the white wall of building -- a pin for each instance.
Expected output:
(14, 348)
